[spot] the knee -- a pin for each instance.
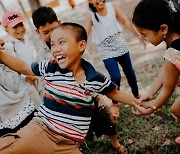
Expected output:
(175, 108)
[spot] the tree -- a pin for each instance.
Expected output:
(34, 4)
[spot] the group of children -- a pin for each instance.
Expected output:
(70, 85)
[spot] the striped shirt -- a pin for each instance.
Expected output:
(68, 105)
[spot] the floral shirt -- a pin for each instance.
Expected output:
(172, 54)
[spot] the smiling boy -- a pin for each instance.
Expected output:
(64, 117)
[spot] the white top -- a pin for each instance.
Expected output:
(107, 25)
(24, 50)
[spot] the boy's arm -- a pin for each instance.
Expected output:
(122, 97)
(15, 64)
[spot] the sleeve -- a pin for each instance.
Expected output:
(40, 56)
(106, 85)
(173, 56)
(39, 68)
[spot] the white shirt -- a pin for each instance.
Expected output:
(107, 25)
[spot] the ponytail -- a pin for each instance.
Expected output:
(93, 9)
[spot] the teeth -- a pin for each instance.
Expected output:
(60, 57)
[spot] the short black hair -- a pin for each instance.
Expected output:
(151, 14)
(77, 30)
(43, 15)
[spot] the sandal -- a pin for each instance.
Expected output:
(121, 150)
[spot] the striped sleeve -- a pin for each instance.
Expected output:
(39, 68)
(105, 85)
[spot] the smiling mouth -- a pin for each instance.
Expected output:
(60, 58)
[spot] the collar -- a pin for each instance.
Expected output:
(90, 71)
(12, 39)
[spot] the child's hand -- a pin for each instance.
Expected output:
(145, 97)
(139, 110)
(31, 79)
(115, 111)
(1, 44)
(148, 104)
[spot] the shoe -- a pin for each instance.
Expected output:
(121, 150)
(177, 140)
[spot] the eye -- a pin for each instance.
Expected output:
(61, 42)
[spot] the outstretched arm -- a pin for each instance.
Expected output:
(122, 97)
(155, 87)
(88, 23)
(124, 21)
(15, 64)
(171, 74)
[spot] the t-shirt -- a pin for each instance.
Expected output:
(68, 105)
(172, 54)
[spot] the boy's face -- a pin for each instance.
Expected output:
(18, 31)
(65, 49)
(45, 31)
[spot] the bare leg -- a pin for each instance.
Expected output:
(114, 141)
(175, 108)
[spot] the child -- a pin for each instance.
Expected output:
(23, 48)
(104, 18)
(45, 19)
(161, 24)
(63, 119)
(16, 110)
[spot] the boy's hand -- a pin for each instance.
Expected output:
(1, 44)
(115, 111)
(31, 79)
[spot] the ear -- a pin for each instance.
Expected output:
(82, 46)
(164, 29)
(37, 31)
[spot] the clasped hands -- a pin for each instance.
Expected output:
(145, 106)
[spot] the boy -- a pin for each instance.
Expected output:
(45, 19)
(64, 117)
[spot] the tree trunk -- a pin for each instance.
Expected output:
(34, 4)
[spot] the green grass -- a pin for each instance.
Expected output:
(143, 134)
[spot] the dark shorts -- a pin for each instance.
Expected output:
(102, 123)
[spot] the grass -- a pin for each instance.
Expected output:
(143, 134)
